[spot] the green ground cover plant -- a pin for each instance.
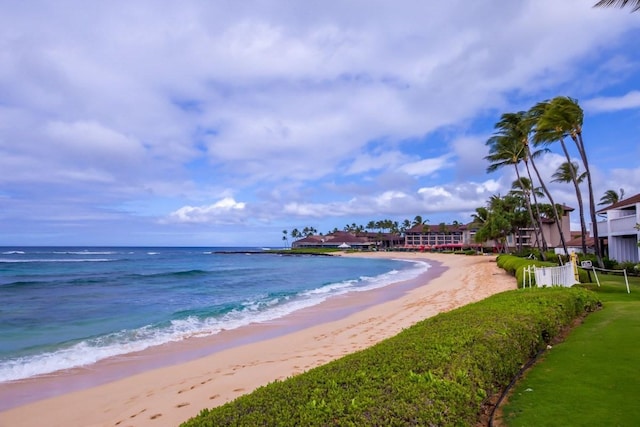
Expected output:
(591, 378)
(440, 371)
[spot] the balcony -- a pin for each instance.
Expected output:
(623, 225)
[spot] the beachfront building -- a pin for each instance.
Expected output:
(462, 236)
(526, 237)
(347, 240)
(335, 240)
(442, 236)
(619, 229)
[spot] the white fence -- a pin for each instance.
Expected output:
(551, 276)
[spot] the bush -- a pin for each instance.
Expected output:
(628, 266)
(438, 372)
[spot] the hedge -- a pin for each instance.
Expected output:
(440, 371)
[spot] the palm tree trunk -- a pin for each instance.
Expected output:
(535, 201)
(537, 231)
(553, 204)
(574, 178)
(577, 138)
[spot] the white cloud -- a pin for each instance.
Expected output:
(326, 110)
(604, 104)
(225, 211)
(427, 167)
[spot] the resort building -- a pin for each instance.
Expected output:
(462, 236)
(443, 236)
(338, 239)
(526, 237)
(453, 236)
(619, 228)
(347, 240)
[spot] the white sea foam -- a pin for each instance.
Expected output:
(84, 252)
(13, 253)
(93, 350)
(10, 260)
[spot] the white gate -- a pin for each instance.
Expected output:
(555, 276)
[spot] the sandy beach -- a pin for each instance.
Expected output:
(209, 372)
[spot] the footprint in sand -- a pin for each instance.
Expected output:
(215, 396)
(238, 389)
(183, 404)
(135, 415)
(154, 416)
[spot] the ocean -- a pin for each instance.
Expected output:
(66, 307)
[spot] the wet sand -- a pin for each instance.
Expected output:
(167, 385)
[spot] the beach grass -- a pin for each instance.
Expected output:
(591, 378)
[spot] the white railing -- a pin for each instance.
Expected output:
(622, 225)
(625, 224)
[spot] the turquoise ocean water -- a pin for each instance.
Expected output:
(65, 307)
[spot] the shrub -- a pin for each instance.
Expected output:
(628, 266)
(438, 372)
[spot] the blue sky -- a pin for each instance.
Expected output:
(221, 123)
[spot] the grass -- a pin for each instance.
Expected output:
(592, 377)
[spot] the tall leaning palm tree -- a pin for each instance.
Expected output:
(557, 119)
(506, 148)
(568, 172)
(523, 123)
(635, 4)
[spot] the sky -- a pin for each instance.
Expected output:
(223, 123)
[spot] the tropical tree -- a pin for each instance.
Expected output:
(406, 224)
(481, 216)
(610, 197)
(635, 4)
(418, 220)
(560, 118)
(296, 234)
(568, 172)
(285, 239)
(498, 219)
(524, 187)
(508, 147)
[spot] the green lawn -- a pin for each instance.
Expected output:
(593, 377)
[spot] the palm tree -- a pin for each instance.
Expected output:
(610, 197)
(295, 234)
(525, 187)
(406, 224)
(568, 172)
(498, 220)
(285, 239)
(635, 4)
(507, 147)
(481, 215)
(418, 220)
(545, 135)
(559, 118)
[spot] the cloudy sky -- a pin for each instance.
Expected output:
(221, 123)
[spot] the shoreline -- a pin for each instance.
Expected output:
(171, 383)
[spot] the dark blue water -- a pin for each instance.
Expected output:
(67, 307)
